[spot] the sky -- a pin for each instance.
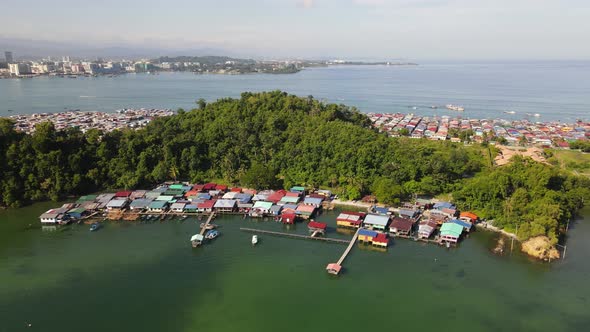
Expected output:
(354, 29)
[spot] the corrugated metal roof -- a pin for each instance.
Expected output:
(367, 232)
(312, 200)
(289, 199)
(451, 229)
(157, 205)
(177, 206)
(225, 203)
(373, 219)
(262, 205)
(117, 203)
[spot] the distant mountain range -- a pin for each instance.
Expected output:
(27, 49)
(32, 49)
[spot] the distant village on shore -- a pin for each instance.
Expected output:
(455, 129)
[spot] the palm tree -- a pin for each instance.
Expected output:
(173, 172)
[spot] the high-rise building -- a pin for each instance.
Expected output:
(18, 69)
(8, 57)
(65, 58)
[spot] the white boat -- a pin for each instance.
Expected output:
(510, 112)
(455, 108)
(536, 115)
(254, 239)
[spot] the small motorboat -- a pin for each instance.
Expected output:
(183, 218)
(94, 227)
(210, 235)
(254, 239)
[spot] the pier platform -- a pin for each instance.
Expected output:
(294, 236)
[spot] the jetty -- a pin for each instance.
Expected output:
(294, 236)
(204, 227)
(334, 268)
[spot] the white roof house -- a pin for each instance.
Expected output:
(230, 195)
(376, 221)
(177, 207)
(117, 204)
(225, 204)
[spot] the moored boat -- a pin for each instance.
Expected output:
(455, 108)
(212, 234)
(254, 239)
(94, 227)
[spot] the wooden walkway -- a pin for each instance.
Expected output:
(204, 227)
(295, 236)
(352, 241)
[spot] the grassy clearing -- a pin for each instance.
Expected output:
(575, 161)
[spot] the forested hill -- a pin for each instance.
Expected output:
(261, 140)
(269, 140)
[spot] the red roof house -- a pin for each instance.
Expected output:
(276, 196)
(209, 186)
(380, 240)
(206, 205)
(316, 225)
(288, 218)
(124, 194)
(221, 187)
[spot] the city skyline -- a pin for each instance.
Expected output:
(370, 29)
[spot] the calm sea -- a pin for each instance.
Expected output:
(146, 277)
(554, 90)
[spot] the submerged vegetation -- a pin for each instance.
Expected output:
(270, 140)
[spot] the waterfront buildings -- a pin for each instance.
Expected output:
(459, 129)
(126, 118)
(19, 69)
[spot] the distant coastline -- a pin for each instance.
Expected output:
(221, 65)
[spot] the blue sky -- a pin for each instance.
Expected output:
(410, 29)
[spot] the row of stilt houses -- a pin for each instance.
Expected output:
(186, 199)
(421, 221)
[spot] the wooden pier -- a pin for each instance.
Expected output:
(295, 236)
(334, 268)
(204, 227)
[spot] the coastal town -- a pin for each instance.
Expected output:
(375, 225)
(73, 68)
(458, 129)
(455, 129)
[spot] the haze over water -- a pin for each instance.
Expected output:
(555, 90)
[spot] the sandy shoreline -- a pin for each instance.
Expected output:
(357, 204)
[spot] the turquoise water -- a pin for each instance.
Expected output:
(146, 277)
(555, 90)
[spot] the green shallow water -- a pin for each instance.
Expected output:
(146, 277)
